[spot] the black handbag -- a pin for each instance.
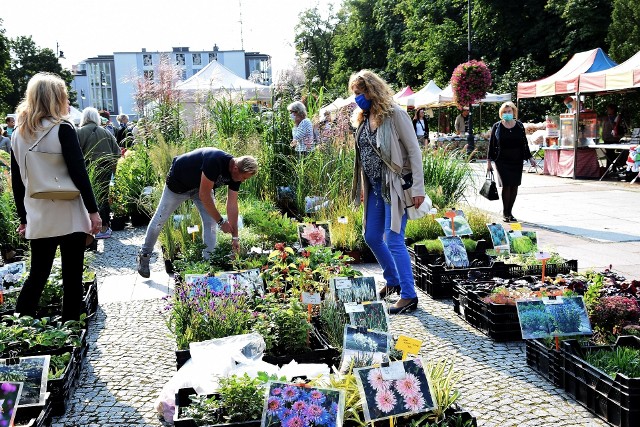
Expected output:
(489, 189)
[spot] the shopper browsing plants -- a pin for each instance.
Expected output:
(385, 139)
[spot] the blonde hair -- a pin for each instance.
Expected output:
(247, 164)
(377, 91)
(508, 104)
(46, 97)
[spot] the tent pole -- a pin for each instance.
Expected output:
(576, 129)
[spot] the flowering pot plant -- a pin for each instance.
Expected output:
(470, 82)
(300, 405)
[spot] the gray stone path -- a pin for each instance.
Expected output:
(131, 356)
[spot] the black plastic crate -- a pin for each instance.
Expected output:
(615, 400)
(439, 280)
(548, 362)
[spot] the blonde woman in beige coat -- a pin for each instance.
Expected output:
(385, 139)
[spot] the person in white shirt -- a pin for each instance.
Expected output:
(303, 128)
(421, 127)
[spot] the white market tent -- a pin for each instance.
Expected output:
(337, 104)
(421, 97)
(75, 115)
(216, 79)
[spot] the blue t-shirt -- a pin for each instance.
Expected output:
(187, 169)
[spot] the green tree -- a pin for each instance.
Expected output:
(5, 62)
(27, 59)
(314, 40)
(624, 31)
(357, 43)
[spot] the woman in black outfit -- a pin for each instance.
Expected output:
(508, 148)
(421, 127)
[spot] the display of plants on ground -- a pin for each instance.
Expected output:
(371, 315)
(455, 254)
(553, 317)
(363, 347)
(621, 360)
(402, 388)
(290, 404)
(32, 372)
(354, 289)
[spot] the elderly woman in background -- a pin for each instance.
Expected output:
(43, 115)
(508, 148)
(303, 128)
(101, 153)
(385, 139)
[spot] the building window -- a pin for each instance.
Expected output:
(148, 74)
(213, 56)
(197, 58)
(195, 71)
(101, 86)
(147, 60)
(179, 58)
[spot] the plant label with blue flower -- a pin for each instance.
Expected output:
(10, 393)
(33, 373)
(298, 405)
(548, 317)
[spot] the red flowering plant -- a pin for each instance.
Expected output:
(309, 270)
(611, 314)
(470, 82)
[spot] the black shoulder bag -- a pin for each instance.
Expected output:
(489, 189)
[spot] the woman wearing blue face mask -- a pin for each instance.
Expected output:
(385, 139)
(508, 148)
(303, 128)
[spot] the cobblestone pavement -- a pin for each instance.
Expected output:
(131, 357)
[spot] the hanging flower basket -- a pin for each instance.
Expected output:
(470, 82)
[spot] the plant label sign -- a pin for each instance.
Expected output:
(395, 371)
(353, 307)
(516, 226)
(408, 345)
(343, 220)
(552, 300)
(309, 298)
(542, 256)
(193, 229)
(343, 284)
(515, 233)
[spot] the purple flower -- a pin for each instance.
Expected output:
(274, 405)
(290, 393)
(316, 396)
(294, 421)
(298, 406)
(314, 413)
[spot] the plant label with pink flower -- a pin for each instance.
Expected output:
(296, 405)
(385, 398)
(314, 234)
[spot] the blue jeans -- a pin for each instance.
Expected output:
(388, 246)
(169, 202)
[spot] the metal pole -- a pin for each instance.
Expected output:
(471, 145)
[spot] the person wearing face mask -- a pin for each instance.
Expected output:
(303, 128)
(508, 148)
(385, 140)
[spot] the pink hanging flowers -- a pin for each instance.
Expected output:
(470, 82)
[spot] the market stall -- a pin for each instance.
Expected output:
(578, 128)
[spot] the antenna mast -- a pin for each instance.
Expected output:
(241, 37)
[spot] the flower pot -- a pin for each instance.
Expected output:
(355, 254)
(119, 222)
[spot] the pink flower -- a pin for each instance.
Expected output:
(385, 400)
(408, 386)
(314, 235)
(414, 403)
(376, 380)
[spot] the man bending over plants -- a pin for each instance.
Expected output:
(196, 175)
